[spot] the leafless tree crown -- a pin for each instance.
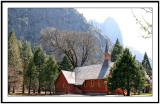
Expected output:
(77, 46)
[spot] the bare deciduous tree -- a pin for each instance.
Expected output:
(77, 46)
(144, 24)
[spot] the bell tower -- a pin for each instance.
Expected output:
(107, 60)
(107, 54)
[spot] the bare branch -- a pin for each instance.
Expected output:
(148, 27)
(77, 46)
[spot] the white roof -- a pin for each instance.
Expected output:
(89, 72)
(80, 74)
(70, 76)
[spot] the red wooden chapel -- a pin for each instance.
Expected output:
(86, 79)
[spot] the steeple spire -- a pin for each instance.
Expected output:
(107, 47)
(107, 53)
(107, 59)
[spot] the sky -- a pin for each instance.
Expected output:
(131, 32)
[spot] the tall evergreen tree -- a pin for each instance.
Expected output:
(146, 64)
(50, 73)
(65, 64)
(14, 63)
(124, 73)
(26, 55)
(117, 49)
(140, 80)
(30, 75)
(39, 59)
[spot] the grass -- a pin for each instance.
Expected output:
(142, 94)
(48, 94)
(147, 94)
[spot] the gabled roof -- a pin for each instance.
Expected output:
(90, 72)
(70, 76)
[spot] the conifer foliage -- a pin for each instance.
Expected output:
(117, 49)
(125, 74)
(65, 64)
(50, 73)
(39, 59)
(146, 64)
(30, 75)
(26, 55)
(14, 63)
(33, 71)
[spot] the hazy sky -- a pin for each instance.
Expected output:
(131, 32)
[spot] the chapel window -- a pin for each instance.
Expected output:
(99, 83)
(92, 83)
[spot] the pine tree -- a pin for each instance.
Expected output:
(124, 73)
(65, 64)
(39, 59)
(140, 80)
(30, 75)
(26, 55)
(50, 73)
(14, 63)
(146, 64)
(117, 49)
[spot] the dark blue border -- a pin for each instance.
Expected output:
(70, 2)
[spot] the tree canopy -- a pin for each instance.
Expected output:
(26, 55)
(30, 75)
(117, 49)
(146, 64)
(14, 62)
(125, 74)
(77, 46)
(49, 72)
(39, 59)
(65, 64)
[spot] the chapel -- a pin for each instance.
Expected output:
(86, 79)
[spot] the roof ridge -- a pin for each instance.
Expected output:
(88, 65)
(67, 71)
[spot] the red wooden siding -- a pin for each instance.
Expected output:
(62, 86)
(96, 88)
(59, 85)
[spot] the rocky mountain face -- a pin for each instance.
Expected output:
(28, 22)
(110, 28)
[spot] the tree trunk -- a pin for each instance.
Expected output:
(128, 87)
(45, 89)
(29, 86)
(13, 90)
(50, 90)
(8, 88)
(39, 88)
(124, 93)
(34, 91)
(128, 92)
(134, 91)
(139, 92)
(23, 88)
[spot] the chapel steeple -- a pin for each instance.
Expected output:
(107, 60)
(107, 54)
